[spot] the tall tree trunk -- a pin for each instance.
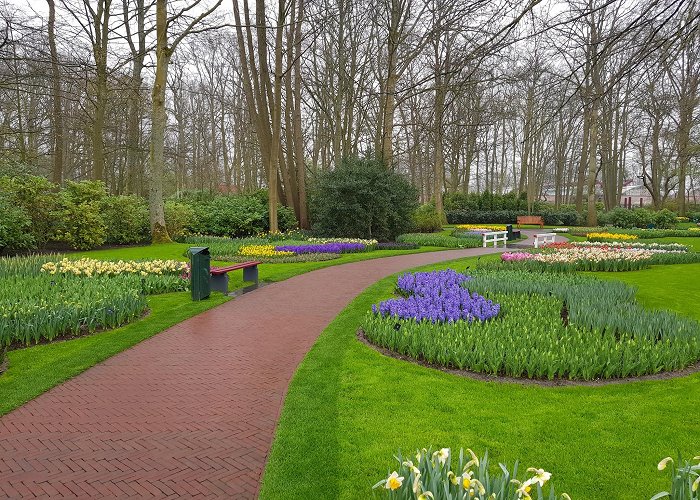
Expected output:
(57, 105)
(159, 231)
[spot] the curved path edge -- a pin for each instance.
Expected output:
(190, 412)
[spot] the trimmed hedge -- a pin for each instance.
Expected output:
(551, 218)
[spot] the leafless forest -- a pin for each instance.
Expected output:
(572, 101)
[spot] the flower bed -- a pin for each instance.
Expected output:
(548, 326)
(595, 256)
(437, 297)
(93, 267)
(366, 243)
(644, 234)
(262, 251)
(439, 474)
(610, 237)
(42, 298)
(323, 248)
(439, 240)
(484, 227)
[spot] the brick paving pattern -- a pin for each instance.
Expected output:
(190, 412)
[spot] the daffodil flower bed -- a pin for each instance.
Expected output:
(610, 237)
(262, 251)
(369, 244)
(438, 475)
(42, 298)
(549, 326)
(685, 479)
(482, 227)
(93, 267)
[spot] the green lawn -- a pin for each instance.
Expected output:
(37, 369)
(349, 409)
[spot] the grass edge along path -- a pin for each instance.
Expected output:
(349, 409)
(36, 369)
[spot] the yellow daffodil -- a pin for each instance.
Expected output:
(466, 480)
(662, 465)
(452, 478)
(394, 481)
(426, 495)
(696, 484)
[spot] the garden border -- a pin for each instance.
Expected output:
(484, 377)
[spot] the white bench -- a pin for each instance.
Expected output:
(494, 237)
(544, 238)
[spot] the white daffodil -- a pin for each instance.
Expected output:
(475, 459)
(394, 481)
(524, 490)
(662, 465)
(541, 476)
(417, 486)
(442, 455)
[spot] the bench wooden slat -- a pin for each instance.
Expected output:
(223, 270)
(530, 219)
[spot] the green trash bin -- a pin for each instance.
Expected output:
(199, 272)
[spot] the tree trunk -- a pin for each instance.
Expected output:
(57, 108)
(159, 232)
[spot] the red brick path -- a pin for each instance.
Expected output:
(190, 412)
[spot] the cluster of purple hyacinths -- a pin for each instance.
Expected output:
(437, 296)
(323, 248)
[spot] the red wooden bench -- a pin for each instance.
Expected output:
(530, 219)
(219, 275)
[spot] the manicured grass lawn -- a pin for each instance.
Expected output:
(36, 369)
(349, 409)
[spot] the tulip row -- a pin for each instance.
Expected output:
(610, 237)
(549, 326)
(568, 257)
(440, 475)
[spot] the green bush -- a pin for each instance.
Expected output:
(362, 199)
(665, 219)
(694, 216)
(237, 216)
(126, 219)
(38, 198)
(427, 219)
(80, 225)
(178, 218)
(15, 228)
(626, 218)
